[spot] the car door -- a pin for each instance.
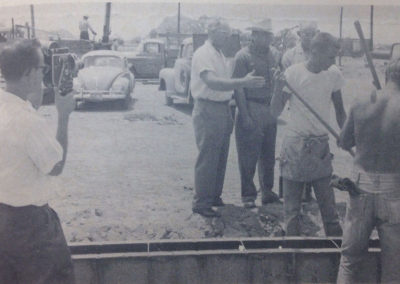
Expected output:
(182, 69)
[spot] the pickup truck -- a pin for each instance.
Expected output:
(176, 81)
(393, 53)
(148, 59)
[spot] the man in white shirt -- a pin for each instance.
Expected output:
(305, 155)
(34, 248)
(84, 27)
(212, 89)
(297, 54)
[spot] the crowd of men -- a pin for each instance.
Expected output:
(262, 82)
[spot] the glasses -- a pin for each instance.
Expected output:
(45, 69)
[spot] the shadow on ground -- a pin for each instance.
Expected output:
(107, 106)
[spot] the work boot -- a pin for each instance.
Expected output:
(207, 212)
(249, 204)
(271, 197)
(218, 202)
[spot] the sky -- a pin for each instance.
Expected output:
(131, 19)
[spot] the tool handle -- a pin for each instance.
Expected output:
(317, 116)
(371, 66)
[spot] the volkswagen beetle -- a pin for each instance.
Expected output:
(104, 76)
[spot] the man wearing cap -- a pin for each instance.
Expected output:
(255, 128)
(212, 88)
(84, 27)
(297, 54)
(305, 155)
(373, 127)
(301, 52)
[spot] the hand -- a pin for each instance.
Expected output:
(247, 122)
(64, 104)
(251, 81)
(279, 80)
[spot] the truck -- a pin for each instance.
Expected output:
(148, 58)
(175, 81)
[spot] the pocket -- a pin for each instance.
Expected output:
(356, 208)
(392, 205)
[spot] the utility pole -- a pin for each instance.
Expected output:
(179, 18)
(12, 28)
(371, 42)
(28, 30)
(33, 22)
(340, 34)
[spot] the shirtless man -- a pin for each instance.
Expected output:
(374, 129)
(305, 155)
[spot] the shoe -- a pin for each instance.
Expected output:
(207, 212)
(271, 198)
(249, 204)
(218, 203)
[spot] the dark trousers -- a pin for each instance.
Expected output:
(212, 123)
(84, 35)
(256, 147)
(292, 193)
(33, 247)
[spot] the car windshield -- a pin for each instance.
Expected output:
(106, 61)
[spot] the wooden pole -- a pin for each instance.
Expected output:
(179, 18)
(33, 22)
(371, 42)
(340, 34)
(12, 28)
(28, 30)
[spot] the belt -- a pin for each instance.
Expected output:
(211, 101)
(265, 101)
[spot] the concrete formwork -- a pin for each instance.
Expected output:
(260, 265)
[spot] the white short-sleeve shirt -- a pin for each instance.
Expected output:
(28, 152)
(207, 58)
(316, 89)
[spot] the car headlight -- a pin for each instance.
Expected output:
(120, 85)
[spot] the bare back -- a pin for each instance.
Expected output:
(377, 133)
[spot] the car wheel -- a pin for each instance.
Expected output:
(168, 100)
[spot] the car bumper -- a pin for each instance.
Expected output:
(98, 96)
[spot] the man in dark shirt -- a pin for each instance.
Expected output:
(255, 127)
(373, 126)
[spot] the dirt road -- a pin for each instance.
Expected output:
(129, 174)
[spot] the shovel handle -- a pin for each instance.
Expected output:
(317, 116)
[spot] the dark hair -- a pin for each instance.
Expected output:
(393, 71)
(18, 58)
(323, 41)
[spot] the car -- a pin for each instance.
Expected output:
(104, 76)
(148, 59)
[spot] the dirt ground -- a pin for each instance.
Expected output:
(129, 173)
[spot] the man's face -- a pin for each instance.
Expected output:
(35, 79)
(221, 35)
(262, 39)
(306, 36)
(326, 58)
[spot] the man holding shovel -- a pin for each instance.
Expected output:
(373, 126)
(305, 155)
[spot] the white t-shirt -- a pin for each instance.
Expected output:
(28, 152)
(207, 58)
(316, 90)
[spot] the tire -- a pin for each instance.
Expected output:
(168, 100)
